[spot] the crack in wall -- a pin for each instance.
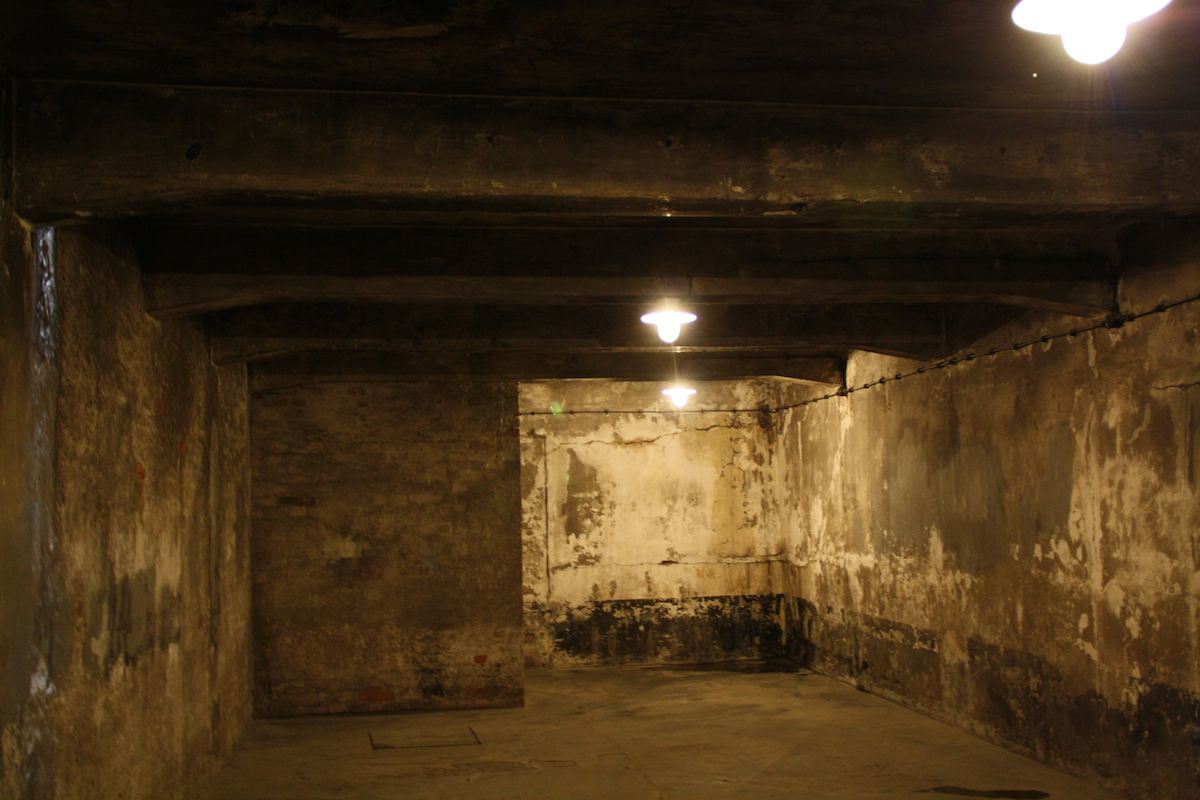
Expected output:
(776, 558)
(1191, 385)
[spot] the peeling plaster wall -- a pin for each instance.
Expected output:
(1012, 544)
(142, 547)
(386, 547)
(649, 536)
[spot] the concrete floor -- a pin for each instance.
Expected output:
(654, 733)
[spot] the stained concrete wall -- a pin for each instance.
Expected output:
(126, 572)
(1012, 544)
(27, 382)
(387, 551)
(151, 658)
(650, 535)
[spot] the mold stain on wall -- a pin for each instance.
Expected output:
(648, 537)
(1010, 546)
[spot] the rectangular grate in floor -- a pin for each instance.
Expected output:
(467, 738)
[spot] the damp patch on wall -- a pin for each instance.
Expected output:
(695, 630)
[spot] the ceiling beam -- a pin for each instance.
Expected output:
(110, 150)
(552, 366)
(912, 331)
(656, 248)
(226, 350)
(176, 294)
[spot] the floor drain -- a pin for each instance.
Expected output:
(468, 739)
(999, 794)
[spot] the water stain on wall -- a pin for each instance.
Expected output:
(583, 506)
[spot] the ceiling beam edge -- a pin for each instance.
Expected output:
(86, 150)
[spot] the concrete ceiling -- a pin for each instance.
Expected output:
(956, 53)
(494, 189)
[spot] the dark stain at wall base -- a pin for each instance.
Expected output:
(430, 683)
(692, 630)
(1153, 745)
(800, 619)
(1151, 749)
(999, 794)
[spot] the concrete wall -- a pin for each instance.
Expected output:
(151, 659)
(125, 546)
(653, 535)
(386, 547)
(27, 383)
(1012, 544)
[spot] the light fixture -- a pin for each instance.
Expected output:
(679, 395)
(1092, 31)
(669, 322)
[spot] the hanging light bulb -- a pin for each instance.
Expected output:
(1092, 30)
(1094, 43)
(679, 395)
(669, 322)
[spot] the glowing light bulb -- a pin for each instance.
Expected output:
(669, 323)
(679, 395)
(1092, 30)
(1094, 43)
